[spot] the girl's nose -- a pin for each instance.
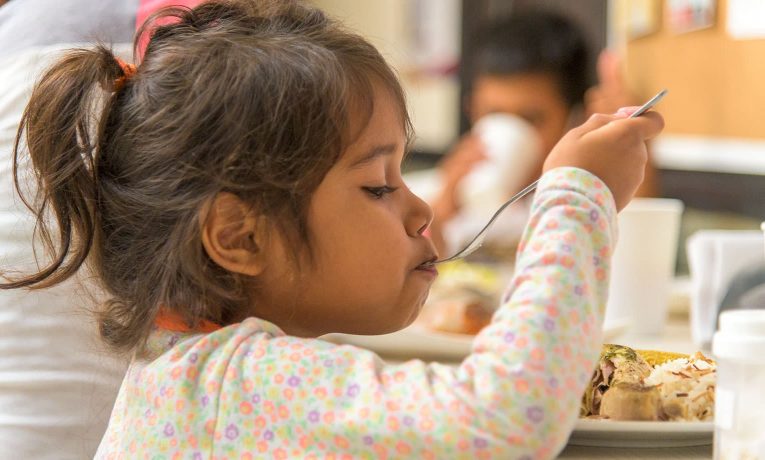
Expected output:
(419, 217)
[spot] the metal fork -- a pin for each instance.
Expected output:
(477, 241)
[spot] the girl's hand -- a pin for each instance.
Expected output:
(613, 147)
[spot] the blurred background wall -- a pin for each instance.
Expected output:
(711, 55)
(422, 39)
(717, 78)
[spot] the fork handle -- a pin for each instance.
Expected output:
(477, 240)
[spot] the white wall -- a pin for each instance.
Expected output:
(415, 36)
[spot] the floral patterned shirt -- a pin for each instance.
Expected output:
(249, 391)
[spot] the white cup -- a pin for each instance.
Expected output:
(643, 264)
(512, 150)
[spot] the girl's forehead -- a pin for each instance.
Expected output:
(379, 129)
(362, 157)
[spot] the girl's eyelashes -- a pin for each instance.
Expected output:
(380, 192)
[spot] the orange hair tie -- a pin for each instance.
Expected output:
(172, 321)
(128, 70)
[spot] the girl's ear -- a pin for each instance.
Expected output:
(234, 235)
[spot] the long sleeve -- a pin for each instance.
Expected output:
(248, 389)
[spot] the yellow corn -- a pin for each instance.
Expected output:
(655, 357)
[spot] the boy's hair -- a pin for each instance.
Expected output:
(536, 41)
(254, 98)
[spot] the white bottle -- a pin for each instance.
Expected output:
(739, 348)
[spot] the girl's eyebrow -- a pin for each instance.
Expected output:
(373, 153)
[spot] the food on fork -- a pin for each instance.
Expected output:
(650, 385)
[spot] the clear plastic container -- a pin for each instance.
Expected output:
(739, 348)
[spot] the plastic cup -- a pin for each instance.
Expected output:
(643, 264)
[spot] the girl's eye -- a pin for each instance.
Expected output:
(379, 192)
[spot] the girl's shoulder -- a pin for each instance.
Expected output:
(252, 342)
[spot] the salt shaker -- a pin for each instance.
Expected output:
(739, 348)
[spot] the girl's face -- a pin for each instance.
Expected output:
(367, 274)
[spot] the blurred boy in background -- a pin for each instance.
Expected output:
(533, 65)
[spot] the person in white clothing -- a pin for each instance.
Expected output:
(57, 384)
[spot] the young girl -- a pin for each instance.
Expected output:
(239, 194)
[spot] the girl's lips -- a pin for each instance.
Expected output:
(428, 266)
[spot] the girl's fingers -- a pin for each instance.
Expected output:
(595, 121)
(627, 111)
(649, 124)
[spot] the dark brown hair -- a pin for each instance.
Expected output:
(536, 41)
(250, 97)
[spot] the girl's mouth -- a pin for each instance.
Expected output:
(428, 266)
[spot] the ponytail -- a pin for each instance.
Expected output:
(62, 127)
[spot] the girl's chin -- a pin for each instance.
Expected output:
(380, 327)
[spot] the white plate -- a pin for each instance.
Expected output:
(612, 433)
(418, 342)
(412, 342)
